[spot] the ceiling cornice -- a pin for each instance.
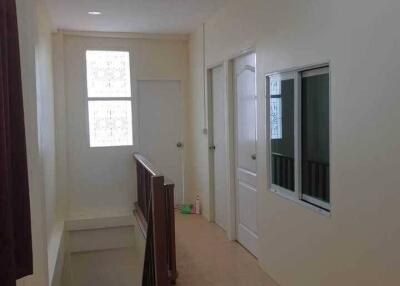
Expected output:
(125, 35)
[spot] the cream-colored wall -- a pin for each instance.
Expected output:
(37, 79)
(54, 203)
(60, 126)
(27, 26)
(45, 106)
(101, 181)
(358, 244)
(197, 146)
(99, 267)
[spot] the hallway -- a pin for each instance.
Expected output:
(206, 257)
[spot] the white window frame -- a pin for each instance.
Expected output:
(297, 195)
(132, 99)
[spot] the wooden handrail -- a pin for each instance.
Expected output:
(146, 164)
(155, 213)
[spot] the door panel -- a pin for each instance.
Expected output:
(246, 177)
(160, 117)
(219, 141)
(246, 144)
(246, 118)
(247, 229)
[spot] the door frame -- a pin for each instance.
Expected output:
(210, 127)
(230, 133)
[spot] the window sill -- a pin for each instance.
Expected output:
(111, 146)
(296, 200)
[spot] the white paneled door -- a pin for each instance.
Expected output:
(245, 143)
(160, 136)
(218, 147)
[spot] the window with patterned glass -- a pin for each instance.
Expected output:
(109, 98)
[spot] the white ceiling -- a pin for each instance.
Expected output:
(141, 16)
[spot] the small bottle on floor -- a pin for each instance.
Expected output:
(197, 205)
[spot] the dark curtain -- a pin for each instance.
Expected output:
(15, 229)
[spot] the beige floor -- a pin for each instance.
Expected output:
(206, 257)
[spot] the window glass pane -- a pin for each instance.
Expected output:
(282, 130)
(110, 123)
(108, 74)
(315, 134)
(276, 118)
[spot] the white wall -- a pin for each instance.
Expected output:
(197, 145)
(37, 79)
(101, 181)
(27, 25)
(45, 105)
(46, 120)
(358, 244)
(121, 266)
(47, 140)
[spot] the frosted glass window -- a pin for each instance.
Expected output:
(110, 123)
(109, 98)
(282, 130)
(108, 74)
(276, 118)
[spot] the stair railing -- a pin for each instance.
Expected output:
(155, 213)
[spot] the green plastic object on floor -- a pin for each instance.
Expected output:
(186, 209)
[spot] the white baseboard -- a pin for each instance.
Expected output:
(99, 222)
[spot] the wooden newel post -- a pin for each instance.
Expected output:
(169, 189)
(160, 231)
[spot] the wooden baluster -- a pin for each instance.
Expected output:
(274, 166)
(308, 187)
(326, 183)
(321, 181)
(171, 231)
(284, 173)
(279, 171)
(291, 172)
